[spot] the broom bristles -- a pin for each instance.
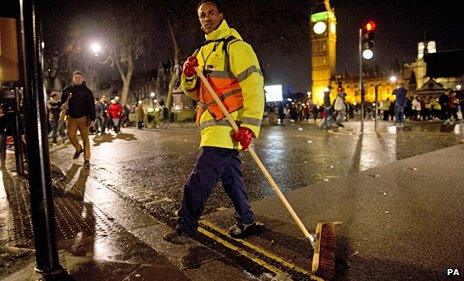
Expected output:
(325, 257)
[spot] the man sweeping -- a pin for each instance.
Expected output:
(232, 68)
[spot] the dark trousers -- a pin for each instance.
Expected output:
(213, 164)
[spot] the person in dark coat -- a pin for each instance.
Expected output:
(56, 124)
(80, 112)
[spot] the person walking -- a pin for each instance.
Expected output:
(140, 116)
(339, 106)
(443, 100)
(115, 115)
(56, 123)
(400, 103)
(100, 115)
(328, 113)
(231, 66)
(80, 112)
(416, 109)
(385, 107)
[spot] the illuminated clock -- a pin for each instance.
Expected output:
(319, 27)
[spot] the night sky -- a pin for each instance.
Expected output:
(281, 40)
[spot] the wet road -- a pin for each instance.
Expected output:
(149, 167)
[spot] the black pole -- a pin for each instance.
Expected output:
(41, 192)
(361, 82)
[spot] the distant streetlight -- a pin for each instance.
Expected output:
(96, 48)
(459, 87)
(152, 94)
(393, 78)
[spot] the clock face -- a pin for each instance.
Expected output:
(319, 27)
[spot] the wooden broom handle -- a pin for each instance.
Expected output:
(256, 158)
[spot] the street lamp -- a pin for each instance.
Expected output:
(152, 95)
(393, 78)
(96, 48)
(459, 87)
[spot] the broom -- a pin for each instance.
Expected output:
(323, 241)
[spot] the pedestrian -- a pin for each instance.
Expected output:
(115, 115)
(453, 106)
(385, 107)
(443, 100)
(315, 112)
(100, 115)
(125, 116)
(281, 112)
(339, 106)
(80, 112)
(400, 103)
(56, 123)
(233, 69)
(328, 113)
(416, 109)
(140, 116)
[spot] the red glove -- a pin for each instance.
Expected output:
(189, 66)
(244, 136)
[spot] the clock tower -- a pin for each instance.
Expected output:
(323, 48)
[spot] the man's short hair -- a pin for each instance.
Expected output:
(78, 72)
(218, 3)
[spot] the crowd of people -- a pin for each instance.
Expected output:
(108, 116)
(427, 108)
(444, 108)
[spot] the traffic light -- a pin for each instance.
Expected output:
(368, 39)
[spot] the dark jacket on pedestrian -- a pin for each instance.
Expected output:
(400, 96)
(54, 107)
(100, 109)
(81, 103)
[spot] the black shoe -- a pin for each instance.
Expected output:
(78, 153)
(244, 230)
(177, 237)
(86, 163)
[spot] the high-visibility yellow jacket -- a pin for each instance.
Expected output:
(238, 75)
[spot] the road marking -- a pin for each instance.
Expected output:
(240, 251)
(255, 248)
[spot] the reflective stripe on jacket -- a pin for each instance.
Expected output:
(237, 80)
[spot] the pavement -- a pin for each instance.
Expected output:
(401, 220)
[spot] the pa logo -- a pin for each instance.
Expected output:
(452, 272)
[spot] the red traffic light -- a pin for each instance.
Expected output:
(369, 26)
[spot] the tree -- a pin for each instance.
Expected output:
(59, 62)
(179, 17)
(61, 52)
(126, 39)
